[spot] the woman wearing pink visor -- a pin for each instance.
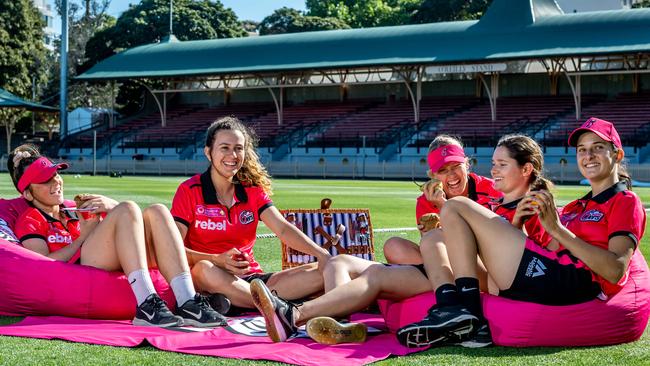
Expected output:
(449, 165)
(599, 233)
(123, 239)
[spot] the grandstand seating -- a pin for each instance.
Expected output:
(381, 123)
(629, 112)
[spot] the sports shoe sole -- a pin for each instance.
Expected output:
(264, 303)
(197, 324)
(144, 323)
(326, 330)
(457, 329)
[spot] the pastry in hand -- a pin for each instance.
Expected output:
(81, 198)
(428, 222)
(431, 182)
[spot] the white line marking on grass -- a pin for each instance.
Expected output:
(386, 230)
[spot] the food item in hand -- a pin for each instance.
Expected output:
(428, 222)
(81, 198)
(437, 185)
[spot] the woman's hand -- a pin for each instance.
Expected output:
(435, 195)
(525, 209)
(99, 203)
(544, 206)
(233, 261)
(87, 225)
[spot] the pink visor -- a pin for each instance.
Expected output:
(605, 130)
(445, 154)
(40, 171)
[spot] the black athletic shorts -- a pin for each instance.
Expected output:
(419, 267)
(262, 276)
(550, 278)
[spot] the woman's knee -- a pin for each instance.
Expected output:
(156, 210)
(393, 246)
(128, 209)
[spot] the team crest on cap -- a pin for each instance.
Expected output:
(590, 123)
(592, 215)
(246, 217)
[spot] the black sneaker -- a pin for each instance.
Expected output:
(482, 337)
(440, 326)
(153, 312)
(220, 303)
(197, 312)
(278, 313)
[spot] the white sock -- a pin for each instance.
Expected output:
(141, 285)
(183, 287)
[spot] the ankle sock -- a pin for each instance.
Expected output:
(182, 287)
(141, 284)
(470, 295)
(446, 295)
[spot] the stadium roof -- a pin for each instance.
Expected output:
(8, 100)
(510, 30)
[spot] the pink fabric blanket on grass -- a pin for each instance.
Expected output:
(230, 342)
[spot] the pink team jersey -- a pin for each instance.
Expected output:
(34, 223)
(480, 189)
(212, 227)
(614, 212)
(533, 226)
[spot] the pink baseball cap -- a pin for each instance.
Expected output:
(40, 171)
(604, 129)
(445, 154)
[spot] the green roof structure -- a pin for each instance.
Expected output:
(8, 100)
(510, 30)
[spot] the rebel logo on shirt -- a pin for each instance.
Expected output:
(59, 239)
(210, 211)
(592, 215)
(210, 225)
(246, 217)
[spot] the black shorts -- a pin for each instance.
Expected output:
(261, 276)
(550, 278)
(419, 267)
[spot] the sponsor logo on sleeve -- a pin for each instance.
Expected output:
(246, 217)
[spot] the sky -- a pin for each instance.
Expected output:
(245, 9)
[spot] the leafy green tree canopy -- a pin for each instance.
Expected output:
(288, 20)
(364, 13)
(432, 11)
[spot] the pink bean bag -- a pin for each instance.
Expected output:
(33, 284)
(622, 318)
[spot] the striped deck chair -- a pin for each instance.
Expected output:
(340, 231)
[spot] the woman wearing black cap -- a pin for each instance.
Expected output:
(114, 237)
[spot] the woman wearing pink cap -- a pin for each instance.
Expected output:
(122, 239)
(449, 165)
(598, 233)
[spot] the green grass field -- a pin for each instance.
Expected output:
(391, 205)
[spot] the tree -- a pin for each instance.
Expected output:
(432, 11)
(148, 22)
(21, 53)
(641, 4)
(288, 20)
(364, 13)
(250, 26)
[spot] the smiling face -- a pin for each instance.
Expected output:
(597, 159)
(507, 174)
(46, 194)
(454, 179)
(227, 153)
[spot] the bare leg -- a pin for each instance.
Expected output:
(297, 282)
(402, 251)
(436, 261)
(342, 269)
(210, 278)
(164, 242)
(378, 281)
(117, 242)
(468, 228)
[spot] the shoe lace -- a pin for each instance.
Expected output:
(157, 303)
(203, 302)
